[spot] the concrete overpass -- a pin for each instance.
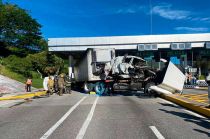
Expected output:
(146, 46)
(126, 42)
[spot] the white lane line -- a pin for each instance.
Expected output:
(156, 132)
(9, 103)
(82, 131)
(188, 111)
(168, 101)
(6, 104)
(56, 125)
(194, 114)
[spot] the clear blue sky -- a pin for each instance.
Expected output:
(78, 18)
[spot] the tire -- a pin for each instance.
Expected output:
(100, 88)
(147, 86)
(88, 87)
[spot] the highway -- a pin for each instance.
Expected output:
(130, 116)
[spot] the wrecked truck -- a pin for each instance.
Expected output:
(101, 71)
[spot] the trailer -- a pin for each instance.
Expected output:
(101, 71)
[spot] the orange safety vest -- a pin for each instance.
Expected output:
(29, 81)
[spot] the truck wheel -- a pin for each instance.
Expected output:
(147, 86)
(88, 87)
(100, 88)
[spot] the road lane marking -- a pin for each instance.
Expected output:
(56, 125)
(82, 131)
(10, 103)
(194, 114)
(156, 132)
(167, 101)
(6, 104)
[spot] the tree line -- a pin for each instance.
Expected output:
(22, 47)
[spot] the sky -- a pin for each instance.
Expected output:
(91, 18)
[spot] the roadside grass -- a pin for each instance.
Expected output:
(37, 82)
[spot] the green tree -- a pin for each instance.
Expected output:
(17, 27)
(46, 63)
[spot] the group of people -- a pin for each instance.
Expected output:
(60, 84)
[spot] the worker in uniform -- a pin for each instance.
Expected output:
(67, 84)
(61, 84)
(208, 82)
(50, 86)
(28, 85)
(56, 88)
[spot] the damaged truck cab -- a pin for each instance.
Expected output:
(100, 71)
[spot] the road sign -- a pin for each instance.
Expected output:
(193, 70)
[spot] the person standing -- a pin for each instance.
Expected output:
(186, 78)
(190, 78)
(208, 82)
(56, 89)
(28, 85)
(50, 85)
(67, 80)
(61, 83)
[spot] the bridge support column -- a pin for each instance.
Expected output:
(71, 66)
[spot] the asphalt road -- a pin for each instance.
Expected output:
(194, 91)
(91, 117)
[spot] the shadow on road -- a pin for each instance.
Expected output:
(190, 118)
(127, 93)
(204, 132)
(139, 94)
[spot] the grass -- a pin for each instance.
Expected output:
(37, 82)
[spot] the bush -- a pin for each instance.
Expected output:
(35, 74)
(43, 62)
(20, 65)
(46, 63)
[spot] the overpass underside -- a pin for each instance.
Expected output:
(181, 49)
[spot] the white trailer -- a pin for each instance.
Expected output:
(88, 72)
(88, 69)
